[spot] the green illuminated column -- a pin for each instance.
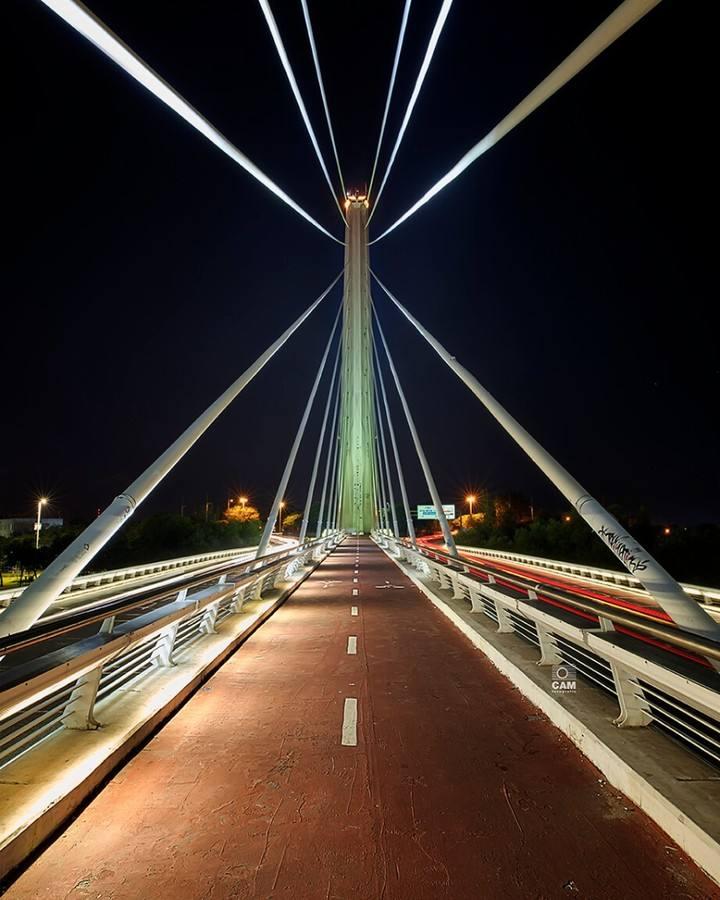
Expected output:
(357, 440)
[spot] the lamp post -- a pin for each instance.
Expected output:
(38, 524)
(280, 512)
(470, 500)
(242, 501)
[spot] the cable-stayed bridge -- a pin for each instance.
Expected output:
(358, 745)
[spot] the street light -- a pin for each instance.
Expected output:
(280, 510)
(470, 500)
(242, 501)
(38, 525)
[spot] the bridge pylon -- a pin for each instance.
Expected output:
(356, 474)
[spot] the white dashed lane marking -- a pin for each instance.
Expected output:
(349, 726)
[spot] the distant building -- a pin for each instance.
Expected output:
(23, 525)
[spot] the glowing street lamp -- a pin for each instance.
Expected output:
(280, 512)
(470, 499)
(38, 525)
(242, 501)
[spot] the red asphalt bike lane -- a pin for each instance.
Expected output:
(457, 788)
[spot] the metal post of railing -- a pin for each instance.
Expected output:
(36, 598)
(429, 480)
(681, 608)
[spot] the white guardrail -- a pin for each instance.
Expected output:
(61, 688)
(144, 571)
(682, 698)
(588, 573)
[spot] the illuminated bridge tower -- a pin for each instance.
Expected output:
(357, 434)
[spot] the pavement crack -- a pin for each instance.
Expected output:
(512, 810)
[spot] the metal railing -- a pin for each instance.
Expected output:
(61, 688)
(132, 573)
(708, 595)
(658, 674)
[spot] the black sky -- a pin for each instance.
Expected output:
(569, 268)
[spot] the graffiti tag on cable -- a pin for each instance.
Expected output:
(625, 552)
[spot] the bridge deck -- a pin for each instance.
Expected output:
(456, 788)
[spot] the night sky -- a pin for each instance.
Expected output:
(569, 268)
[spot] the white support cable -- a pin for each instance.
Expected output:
(318, 452)
(432, 44)
(396, 452)
(316, 60)
(378, 457)
(391, 88)
(381, 483)
(332, 444)
(292, 456)
(331, 521)
(388, 479)
(377, 520)
(616, 24)
(90, 27)
(335, 476)
(339, 485)
(681, 608)
(282, 54)
(425, 466)
(43, 592)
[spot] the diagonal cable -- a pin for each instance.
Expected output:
(280, 47)
(45, 590)
(679, 606)
(90, 27)
(616, 24)
(313, 48)
(432, 44)
(292, 456)
(391, 88)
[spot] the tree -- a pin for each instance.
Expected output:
(241, 513)
(291, 520)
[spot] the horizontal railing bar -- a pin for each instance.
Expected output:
(589, 572)
(75, 620)
(562, 642)
(15, 750)
(643, 624)
(680, 734)
(662, 697)
(36, 721)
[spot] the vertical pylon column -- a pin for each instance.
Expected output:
(357, 440)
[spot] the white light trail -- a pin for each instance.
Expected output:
(280, 47)
(616, 24)
(90, 27)
(391, 88)
(432, 44)
(313, 48)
